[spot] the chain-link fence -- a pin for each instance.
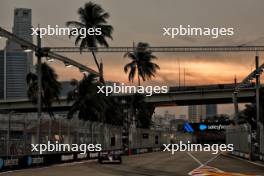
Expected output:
(19, 131)
(240, 137)
(261, 139)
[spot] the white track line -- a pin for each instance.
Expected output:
(201, 164)
(210, 160)
(195, 159)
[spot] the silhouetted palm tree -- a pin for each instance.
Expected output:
(114, 111)
(141, 63)
(92, 16)
(142, 111)
(90, 104)
(51, 87)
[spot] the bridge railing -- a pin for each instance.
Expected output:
(207, 87)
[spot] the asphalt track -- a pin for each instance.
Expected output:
(152, 164)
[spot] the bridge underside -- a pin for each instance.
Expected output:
(201, 102)
(199, 98)
(169, 99)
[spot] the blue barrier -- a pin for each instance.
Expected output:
(20, 162)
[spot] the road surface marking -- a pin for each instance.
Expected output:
(195, 159)
(204, 170)
(210, 160)
(212, 171)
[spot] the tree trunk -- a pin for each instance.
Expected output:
(99, 67)
(138, 79)
(95, 60)
(101, 72)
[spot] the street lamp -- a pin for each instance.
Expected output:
(26, 49)
(67, 64)
(49, 59)
(257, 102)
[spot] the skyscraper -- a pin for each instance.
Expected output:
(15, 64)
(196, 113)
(211, 110)
(21, 27)
(200, 112)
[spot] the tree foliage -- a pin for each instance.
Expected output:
(91, 105)
(141, 63)
(51, 87)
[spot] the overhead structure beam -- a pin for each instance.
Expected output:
(47, 51)
(250, 77)
(16, 39)
(72, 62)
(165, 49)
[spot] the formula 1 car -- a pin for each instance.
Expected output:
(110, 158)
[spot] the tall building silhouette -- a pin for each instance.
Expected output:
(198, 113)
(211, 110)
(14, 62)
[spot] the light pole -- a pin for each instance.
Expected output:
(5, 74)
(8, 134)
(39, 55)
(235, 102)
(257, 102)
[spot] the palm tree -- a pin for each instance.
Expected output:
(92, 16)
(87, 101)
(51, 87)
(141, 62)
(91, 105)
(142, 111)
(114, 112)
